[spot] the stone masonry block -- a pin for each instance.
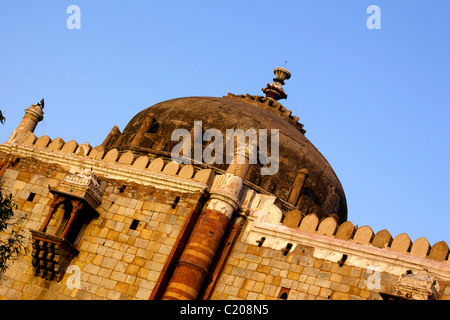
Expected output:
(345, 231)
(97, 153)
(363, 235)
(205, 176)
(111, 156)
(70, 147)
(141, 162)
(56, 144)
(292, 219)
(172, 168)
(83, 149)
(401, 243)
(42, 142)
(439, 251)
(30, 139)
(127, 158)
(420, 248)
(327, 226)
(156, 165)
(382, 239)
(186, 172)
(309, 223)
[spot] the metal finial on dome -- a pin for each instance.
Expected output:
(275, 90)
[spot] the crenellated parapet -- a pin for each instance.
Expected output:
(294, 227)
(293, 220)
(382, 239)
(269, 223)
(113, 163)
(269, 105)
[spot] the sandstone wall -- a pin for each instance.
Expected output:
(115, 261)
(308, 260)
(277, 254)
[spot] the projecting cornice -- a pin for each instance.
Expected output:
(167, 175)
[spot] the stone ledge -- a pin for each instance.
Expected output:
(331, 248)
(113, 170)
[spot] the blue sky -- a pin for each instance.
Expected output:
(374, 102)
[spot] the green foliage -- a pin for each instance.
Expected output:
(12, 245)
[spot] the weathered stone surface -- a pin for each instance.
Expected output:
(297, 187)
(30, 139)
(42, 142)
(83, 149)
(205, 176)
(97, 153)
(127, 158)
(401, 243)
(420, 248)
(345, 231)
(382, 239)
(327, 226)
(309, 223)
(186, 172)
(143, 225)
(172, 168)
(141, 162)
(292, 219)
(109, 140)
(70, 147)
(420, 286)
(111, 156)
(56, 144)
(270, 205)
(246, 113)
(156, 165)
(363, 235)
(111, 254)
(33, 115)
(439, 251)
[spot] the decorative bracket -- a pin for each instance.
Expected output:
(51, 255)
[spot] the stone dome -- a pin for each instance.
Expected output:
(322, 192)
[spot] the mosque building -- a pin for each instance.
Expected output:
(125, 220)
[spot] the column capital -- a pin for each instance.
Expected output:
(35, 113)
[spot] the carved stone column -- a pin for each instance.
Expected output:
(145, 127)
(297, 188)
(32, 116)
(194, 264)
(57, 200)
(77, 206)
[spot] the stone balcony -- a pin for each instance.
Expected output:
(51, 255)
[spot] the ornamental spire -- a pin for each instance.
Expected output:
(275, 90)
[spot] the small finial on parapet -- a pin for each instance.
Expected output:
(275, 90)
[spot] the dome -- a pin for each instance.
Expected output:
(322, 192)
